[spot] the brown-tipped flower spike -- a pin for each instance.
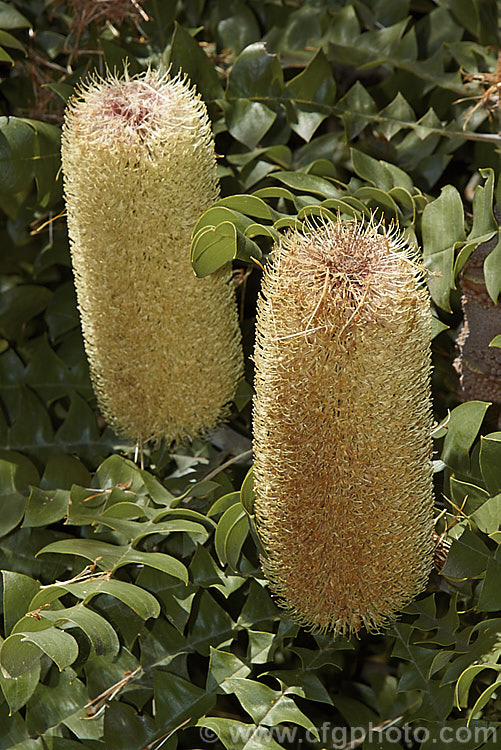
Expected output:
(342, 425)
(139, 169)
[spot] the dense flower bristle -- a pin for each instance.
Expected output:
(342, 425)
(139, 169)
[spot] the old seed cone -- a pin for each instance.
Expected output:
(342, 424)
(139, 169)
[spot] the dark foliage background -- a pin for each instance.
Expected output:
(134, 612)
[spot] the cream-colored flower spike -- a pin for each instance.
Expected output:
(139, 169)
(342, 425)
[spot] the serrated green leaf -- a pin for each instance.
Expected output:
(437, 326)
(462, 428)
(100, 633)
(44, 508)
(326, 652)
(135, 531)
(19, 305)
(490, 594)
(62, 316)
(355, 712)
(357, 109)
(249, 205)
(308, 183)
(18, 591)
(32, 430)
(18, 690)
(48, 375)
(312, 92)
(141, 729)
(186, 55)
(16, 152)
(371, 170)
(376, 200)
(266, 706)
(213, 626)
(478, 17)
(488, 516)
(394, 116)
(158, 493)
(437, 699)
(490, 454)
(235, 539)
(247, 494)
(199, 489)
(445, 626)
(249, 121)
(402, 196)
(204, 570)
(117, 470)
(61, 703)
(16, 473)
(212, 247)
(47, 161)
(59, 646)
(140, 601)
(259, 608)
(178, 700)
(111, 557)
(223, 665)
(176, 597)
(276, 192)
(442, 227)
(18, 656)
(255, 74)
(218, 214)
(467, 496)
(468, 557)
(492, 270)
(62, 471)
(304, 683)
(79, 432)
(237, 28)
(230, 516)
(483, 214)
(260, 645)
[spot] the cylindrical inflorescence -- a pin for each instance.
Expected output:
(342, 426)
(139, 169)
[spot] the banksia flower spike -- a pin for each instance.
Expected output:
(342, 426)
(139, 169)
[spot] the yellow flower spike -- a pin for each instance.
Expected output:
(139, 169)
(342, 426)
